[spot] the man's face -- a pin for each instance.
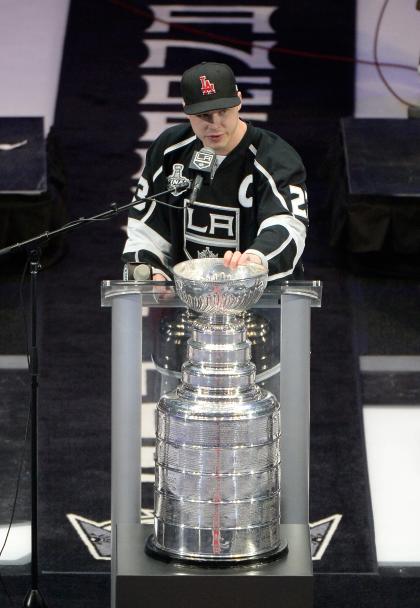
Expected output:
(220, 130)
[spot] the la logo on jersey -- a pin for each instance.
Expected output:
(207, 87)
(214, 227)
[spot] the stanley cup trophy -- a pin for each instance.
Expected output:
(217, 469)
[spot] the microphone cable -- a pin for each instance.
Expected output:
(75, 222)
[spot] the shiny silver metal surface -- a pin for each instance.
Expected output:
(175, 328)
(217, 483)
(207, 286)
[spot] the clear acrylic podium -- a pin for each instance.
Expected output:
(137, 578)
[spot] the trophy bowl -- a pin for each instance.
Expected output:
(207, 286)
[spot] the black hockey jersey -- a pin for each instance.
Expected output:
(255, 202)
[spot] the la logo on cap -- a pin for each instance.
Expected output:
(207, 87)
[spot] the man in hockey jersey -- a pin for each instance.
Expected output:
(253, 208)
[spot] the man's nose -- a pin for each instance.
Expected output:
(216, 119)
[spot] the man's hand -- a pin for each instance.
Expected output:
(234, 259)
(162, 292)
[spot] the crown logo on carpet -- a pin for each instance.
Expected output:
(322, 532)
(96, 535)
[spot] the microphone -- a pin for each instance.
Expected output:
(203, 163)
(142, 272)
(137, 272)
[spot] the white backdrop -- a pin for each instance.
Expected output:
(399, 42)
(31, 47)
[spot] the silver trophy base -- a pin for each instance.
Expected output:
(153, 549)
(214, 502)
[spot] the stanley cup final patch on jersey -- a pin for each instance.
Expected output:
(177, 180)
(209, 230)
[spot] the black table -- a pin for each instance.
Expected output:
(32, 184)
(375, 199)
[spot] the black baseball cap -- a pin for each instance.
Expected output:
(209, 86)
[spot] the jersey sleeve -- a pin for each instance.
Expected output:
(148, 222)
(282, 208)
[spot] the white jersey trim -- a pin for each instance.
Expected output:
(277, 251)
(141, 236)
(272, 184)
(211, 240)
(260, 255)
(140, 206)
(180, 144)
(297, 232)
(157, 173)
(280, 275)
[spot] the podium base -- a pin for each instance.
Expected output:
(139, 578)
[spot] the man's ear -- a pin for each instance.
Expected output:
(240, 97)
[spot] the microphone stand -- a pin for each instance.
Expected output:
(34, 598)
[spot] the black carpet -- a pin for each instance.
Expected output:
(75, 417)
(387, 315)
(98, 124)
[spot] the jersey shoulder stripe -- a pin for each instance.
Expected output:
(180, 144)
